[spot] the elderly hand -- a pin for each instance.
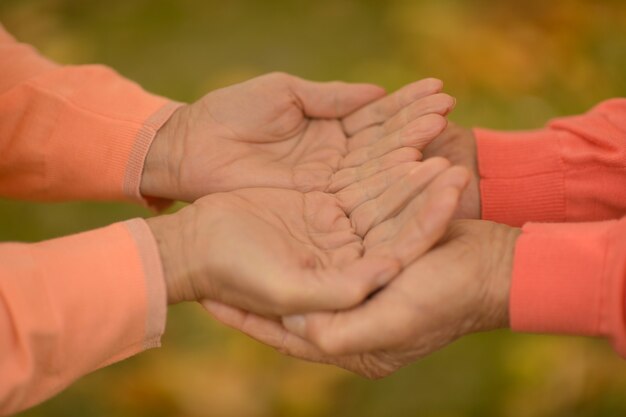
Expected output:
(458, 145)
(281, 131)
(458, 287)
(276, 252)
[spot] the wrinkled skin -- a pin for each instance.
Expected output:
(280, 131)
(277, 252)
(458, 287)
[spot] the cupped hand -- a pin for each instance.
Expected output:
(281, 131)
(458, 287)
(277, 252)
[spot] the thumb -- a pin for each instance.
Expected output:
(335, 98)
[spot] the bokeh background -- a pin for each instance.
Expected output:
(511, 64)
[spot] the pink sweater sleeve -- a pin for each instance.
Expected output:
(573, 170)
(72, 132)
(72, 305)
(570, 279)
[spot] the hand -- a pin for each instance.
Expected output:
(281, 131)
(458, 145)
(459, 287)
(277, 252)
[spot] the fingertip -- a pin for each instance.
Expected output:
(313, 327)
(431, 85)
(296, 324)
(462, 174)
(456, 176)
(436, 163)
(447, 103)
(406, 154)
(453, 106)
(425, 128)
(434, 123)
(419, 89)
(442, 206)
(374, 89)
(449, 198)
(363, 93)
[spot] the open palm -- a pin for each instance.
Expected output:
(401, 322)
(281, 131)
(275, 251)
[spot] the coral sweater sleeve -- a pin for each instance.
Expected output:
(573, 170)
(71, 305)
(72, 132)
(567, 277)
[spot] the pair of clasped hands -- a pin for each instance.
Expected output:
(322, 220)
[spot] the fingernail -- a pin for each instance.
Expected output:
(295, 324)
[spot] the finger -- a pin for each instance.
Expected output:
(381, 323)
(368, 189)
(366, 137)
(385, 107)
(324, 289)
(440, 104)
(437, 104)
(422, 223)
(348, 176)
(454, 177)
(264, 330)
(332, 99)
(418, 133)
(396, 197)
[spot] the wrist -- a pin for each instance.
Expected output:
(501, 250)
(163, 160)
(167, 231)
(471, 195)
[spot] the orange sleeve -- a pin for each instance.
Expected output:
(569, 279)
(72, 305)
(573, 170)
(72, 132)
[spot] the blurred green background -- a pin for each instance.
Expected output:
(511, 64)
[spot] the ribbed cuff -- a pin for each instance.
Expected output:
(107, 293)
(568, 279)
(137, 158)
(522, 176)
(75, 304)
(156, 293)
(94, 131)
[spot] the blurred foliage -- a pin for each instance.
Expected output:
(511, 64)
